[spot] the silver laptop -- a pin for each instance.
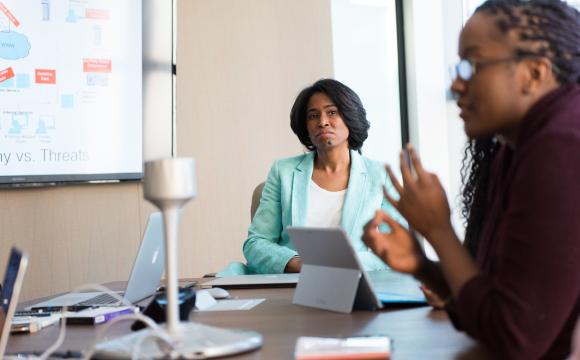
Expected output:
(254, 281)
(333, 278)
(143, 282)
(13, 278)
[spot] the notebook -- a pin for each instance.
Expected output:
(357, 347)
(143, 282)
(333, 278)
(99, 315)
(393, 287)
(13, 278)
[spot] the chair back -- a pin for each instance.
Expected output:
(256, 195)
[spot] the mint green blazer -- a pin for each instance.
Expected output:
(284, 203)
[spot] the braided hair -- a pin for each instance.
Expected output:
(546, 28)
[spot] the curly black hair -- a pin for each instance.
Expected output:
(546, 28)
(349, 107)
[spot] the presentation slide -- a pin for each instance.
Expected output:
(70, 88)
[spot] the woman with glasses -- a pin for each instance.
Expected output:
(515, 285)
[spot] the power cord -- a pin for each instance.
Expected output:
(162, 334)
(62, 333)
(158, 332)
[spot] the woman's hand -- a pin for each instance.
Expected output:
(294, 265)
(432, 298)
(423, 203)
(422, 200)
(398, 249)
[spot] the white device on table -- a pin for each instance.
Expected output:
(218, 293)
(143, 281)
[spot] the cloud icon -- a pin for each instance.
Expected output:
(13, 45)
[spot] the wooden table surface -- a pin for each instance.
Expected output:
(417, 332)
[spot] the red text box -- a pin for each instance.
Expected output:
(97, 14)
(9, 15)
(44, 76)
(6, 74)
(97, 65)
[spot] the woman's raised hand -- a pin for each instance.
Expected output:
(422, 200)
(397, 248)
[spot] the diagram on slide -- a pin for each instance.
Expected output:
(70, 80)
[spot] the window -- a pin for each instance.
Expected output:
(364, 44)
(574, 3)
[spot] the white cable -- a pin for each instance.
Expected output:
(157, 330)
(62, 332)
(157, 333)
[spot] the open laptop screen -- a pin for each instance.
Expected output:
(13, 278)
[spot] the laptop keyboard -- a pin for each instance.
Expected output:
(103, 299)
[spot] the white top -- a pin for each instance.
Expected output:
(324, 207)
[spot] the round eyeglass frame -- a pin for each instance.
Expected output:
(465, 69)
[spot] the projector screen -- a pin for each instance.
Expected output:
(71, 90)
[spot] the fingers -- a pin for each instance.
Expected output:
(371, 229)
(373, 223)
(405, 170)
(428, 295)
(425, 290)
(394, 180)
(432, 298)
(390, 199)
(380, 218)
(415, 160)
(384, 218)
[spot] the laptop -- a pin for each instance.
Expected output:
(253, 281)
(143, 282)
(13, 279)
(333, 278)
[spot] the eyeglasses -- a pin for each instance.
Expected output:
(465, 69)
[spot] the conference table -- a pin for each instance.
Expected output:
(416, 332)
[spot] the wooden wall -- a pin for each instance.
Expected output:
(74, 234)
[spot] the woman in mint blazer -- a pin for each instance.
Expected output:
(329, 119)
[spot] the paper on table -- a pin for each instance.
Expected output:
(232, 304)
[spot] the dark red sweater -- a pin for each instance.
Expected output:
(526, 300)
